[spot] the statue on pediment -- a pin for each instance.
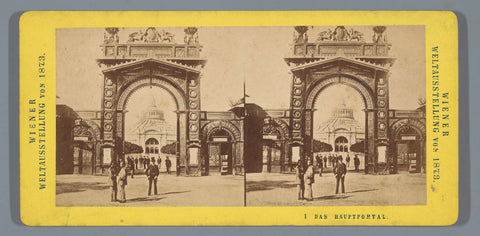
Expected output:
(356, 35)
(301, 35)
(191, 35)
(110, 35)
(167, 37)
(379, 34)
(341, 34)
(135, 37)
(151, 35)
(326, 35)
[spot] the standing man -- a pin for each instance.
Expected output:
(122, 181)
(112, 180)
(299, 180)
(325, 161)
(152, 174)
(356, 162)
(320, 166)
(131, 165)
(136, 162)
(347, 159)
(309, 180)
(168, 164)
(159, 162)
(340, 171)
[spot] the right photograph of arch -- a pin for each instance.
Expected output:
(339, 119)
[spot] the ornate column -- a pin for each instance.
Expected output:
(193, 123)
(383, 152)
(297, 118)
(109, 98)
(370, 145)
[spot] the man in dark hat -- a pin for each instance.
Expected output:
(340, 171)
(152, 174)
(299, 180)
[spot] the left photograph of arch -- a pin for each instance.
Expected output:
(133, 128)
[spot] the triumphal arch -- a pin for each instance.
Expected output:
(341, 56)
(151, 58)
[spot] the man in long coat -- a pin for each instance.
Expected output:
(112, 180)
(340, 171)
(299, 180)
(152, 174)
(309, 180)
(122, 181)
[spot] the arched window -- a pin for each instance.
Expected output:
(151, 146)
(341, 144)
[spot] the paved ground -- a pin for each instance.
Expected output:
(262, 190)
(361, 189)
(82, 190)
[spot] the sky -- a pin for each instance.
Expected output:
(238, 55)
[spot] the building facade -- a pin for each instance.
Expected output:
(152, 132)
(341, 130)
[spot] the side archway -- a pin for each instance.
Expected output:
(222, 148)
(407, 139)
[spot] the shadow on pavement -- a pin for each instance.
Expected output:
(79, 187)
(145, 199)
(174, 192)
(364, 190)
(331, 197)
(268, 185)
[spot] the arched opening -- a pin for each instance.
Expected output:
(150, 121)
(341, 144)
(219, 152)
(151, 146)
(408, 148)
(272, 151)
(338, 115)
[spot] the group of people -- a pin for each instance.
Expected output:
(118, 172)
(143, 162)
(332, 160)
(117, 179)
(305, 176)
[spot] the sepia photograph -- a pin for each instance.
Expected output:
(241, 116)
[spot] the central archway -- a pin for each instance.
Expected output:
(180, 81)
(368, 79)
(341, 144)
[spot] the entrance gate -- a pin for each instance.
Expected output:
(152, 60)
(340, 59)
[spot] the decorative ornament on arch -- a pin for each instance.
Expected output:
(297, 125)
(193, 116)
(193, 93)
(297, 102)
(297, 91)
(193, 105)
(108, 127)
(108, 104)
(108, 81)
(381, 103)
(297, 114)
(297, 80)
(108, 92)
(193, 128)
(108, 115)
